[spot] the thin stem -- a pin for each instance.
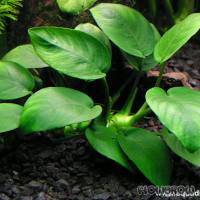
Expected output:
(36, 72)
(121, 89)
(144, 110)
(108, 100)
(153, 8)
(129, 103)
(170, 10)
(162, 68)
(185, 7)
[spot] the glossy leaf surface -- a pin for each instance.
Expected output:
(104, 141)
(56, 107)
(176, 37)
(126, 27)
(147, 63)
(149, 153)
(15, 81)
(71, 52)
(95, 32)
(9, 116)
(179, 111)
(25, 56)
(74, 6)
(176, 146)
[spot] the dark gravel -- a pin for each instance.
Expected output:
(188, 61)
(71, 170)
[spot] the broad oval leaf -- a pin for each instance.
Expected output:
(179, 111)
(25, 56)
(147, 63)
(56, 107)
(176, 146)
(75, 6)
(176, 37)
(71, 52)
(126, 27)
(9, 116)
(149, 153)
(104, 141)
(15, 81)
(95, 32)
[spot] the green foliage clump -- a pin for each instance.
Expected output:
(9, 9)
(85, 53)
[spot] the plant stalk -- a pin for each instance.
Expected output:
(121, 89)
(159, 79)
(129, 103)
(144, 110)
(170, 11)
(185, 7)
(108, 100)
(153, 9)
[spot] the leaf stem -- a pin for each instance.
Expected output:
(170, 10)
(185, 7)
(144, 110)
(129, 103)
(108, 100)
(159, 79)
(118, 93)
(153, 8)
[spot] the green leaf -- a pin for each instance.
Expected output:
(179, 111)
(126, 27)
(9, 9)
(75, 6)
(104, 141)
(149, 153)
(76, 129)
(156, 33)
(71, 52)
(147, 63)
(15, 81)
(96, 33)
(141, 64)
(56, 107)
(176, 37)
(25, 56)
(9, 116)
(180, 150)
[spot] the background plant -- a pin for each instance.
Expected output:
(9, 9)
(74, 6)
(174, 11)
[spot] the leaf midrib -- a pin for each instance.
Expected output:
(70, 51)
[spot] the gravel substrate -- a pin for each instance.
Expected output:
(71, 170)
